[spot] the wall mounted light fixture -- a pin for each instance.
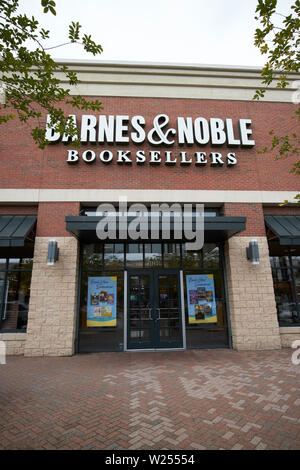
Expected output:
(53, 252)
(253, 252)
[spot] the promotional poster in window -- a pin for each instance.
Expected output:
(102, 301)
(201, 298)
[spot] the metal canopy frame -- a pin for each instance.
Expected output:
(14, 229)
(216, 228)
(285, 227)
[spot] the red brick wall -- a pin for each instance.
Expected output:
(255, 225)
(18, 210)
(277, 210)
(23, 165)
(51, 218)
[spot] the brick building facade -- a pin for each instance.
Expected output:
(44, 197)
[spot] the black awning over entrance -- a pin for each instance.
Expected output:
(15, 228)
(215, 229)
(285, 227)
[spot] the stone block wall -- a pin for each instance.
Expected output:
(288, 335)
(252, 305)
(14, 343)
(52, 308)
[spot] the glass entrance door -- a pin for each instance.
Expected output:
(154, 309)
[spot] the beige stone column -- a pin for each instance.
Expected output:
(251, 297)
(52, 308)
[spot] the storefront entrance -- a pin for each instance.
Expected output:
(154, 314)
(159, 297)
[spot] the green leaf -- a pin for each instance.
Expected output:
(29, 74)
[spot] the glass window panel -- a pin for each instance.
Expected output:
(285, 302)
(2, 264)
(296, 269)
(92, 256)
(2, 289)
(20, 263)
(139, 335)
(113, 256)
(210, 213)
(203, 335)
(15, 278)
(169, 334)
(16, 253)
(285, 294)
(135, 248)
(139, 312)
(139, 294)
(134, 255)
(191, 259)
(169, 310)
(280, 262)
(14, 263)
(211, 255)
(153, 255)
(99, 338)
(172, 255)
(26, 263)
(281, 275)
(16, 301)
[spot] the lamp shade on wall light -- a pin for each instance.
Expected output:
(53, 252)
(253, 252)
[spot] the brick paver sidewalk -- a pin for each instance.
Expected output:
(217, 399)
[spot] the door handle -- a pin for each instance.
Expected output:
(150, 311)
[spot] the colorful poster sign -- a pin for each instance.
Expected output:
(102, 301)
(201, 298)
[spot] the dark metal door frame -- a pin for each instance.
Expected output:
(153, 312)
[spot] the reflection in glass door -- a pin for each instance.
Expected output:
(140, 324)
(154, 310)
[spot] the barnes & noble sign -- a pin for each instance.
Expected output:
(123, 130)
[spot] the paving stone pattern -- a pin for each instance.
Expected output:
(217, 399)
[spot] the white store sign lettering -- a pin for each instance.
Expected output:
(123, 130)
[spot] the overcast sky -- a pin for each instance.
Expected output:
(185, 31)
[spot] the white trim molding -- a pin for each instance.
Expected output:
(34, 196)
(166, 80)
